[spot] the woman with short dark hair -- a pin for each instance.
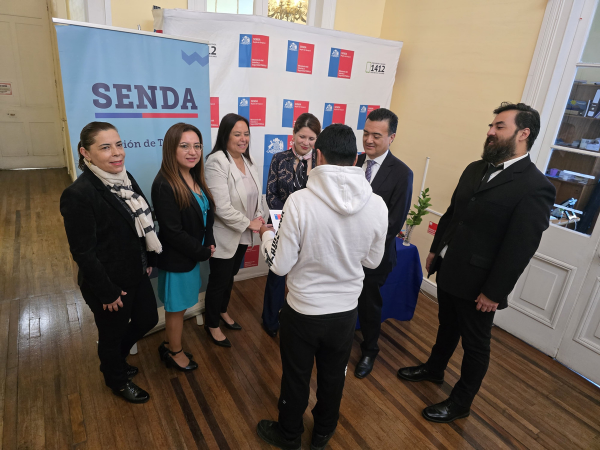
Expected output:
(234, 183)
(111, 236)
(184, 211)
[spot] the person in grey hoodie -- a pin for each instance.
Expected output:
(327, 233)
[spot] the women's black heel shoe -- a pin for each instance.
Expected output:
(163, 350)
(170, 362)
(223, 343)
(232, 326)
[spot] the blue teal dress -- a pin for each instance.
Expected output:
(179, 290)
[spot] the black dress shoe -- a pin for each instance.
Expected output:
(364, 366)
(446, 412)
(272, 333)
(269, 431)
(223, 343)
(163, 350)
(170, 362)
(232, 326)
(420, 373)
(132, 393)
(319, 441)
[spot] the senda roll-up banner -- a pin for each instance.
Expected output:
(140, 83)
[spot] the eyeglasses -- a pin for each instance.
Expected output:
(186, 147)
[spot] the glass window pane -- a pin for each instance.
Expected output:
(246, 7)
(591, 53)
(575, 178)
(226, 6)
(289, 10)
(580, 127)
(210, 5)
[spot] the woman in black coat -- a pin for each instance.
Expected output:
(112, 240)
(185, 212)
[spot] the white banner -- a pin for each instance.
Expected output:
(271, 71)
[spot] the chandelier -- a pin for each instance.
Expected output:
(288, 10)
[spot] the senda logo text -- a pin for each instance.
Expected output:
(124, 97)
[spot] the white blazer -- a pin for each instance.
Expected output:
(229, 193)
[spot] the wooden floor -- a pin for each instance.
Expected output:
(52, 394)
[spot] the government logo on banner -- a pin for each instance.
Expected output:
(254, 109)
(340, 63)
(291, 110)
(214, 112)
(363, 113)
(300, 57)
(334, 113)
(254, 51)
(274, 143)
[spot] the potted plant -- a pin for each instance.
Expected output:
(415, 216)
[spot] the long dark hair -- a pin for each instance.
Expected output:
(170, 169)
(225, 127)
(87, 137)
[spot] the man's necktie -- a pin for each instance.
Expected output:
(370, 163)
(490, 170)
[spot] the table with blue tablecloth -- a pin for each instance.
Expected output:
(401, 289)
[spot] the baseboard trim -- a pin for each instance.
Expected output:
(429, 287)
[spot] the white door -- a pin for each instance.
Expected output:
(555, 305)
(30, 125)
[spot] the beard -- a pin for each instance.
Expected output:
(497, 150)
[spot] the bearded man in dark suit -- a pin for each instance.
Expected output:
(392, 180)
(483, 243)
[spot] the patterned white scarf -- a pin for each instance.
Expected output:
(120, 185)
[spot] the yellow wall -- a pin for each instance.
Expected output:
(130, 13)
(460, 60)
(359, 16)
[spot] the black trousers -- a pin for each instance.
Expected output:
(369, 312)
(328, 339)
(119, 330)
(220, 284)
(273, 300)
(459, 318)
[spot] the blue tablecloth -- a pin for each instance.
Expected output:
(401, 289)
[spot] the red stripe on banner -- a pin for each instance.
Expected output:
(214, 112)
(169, 116)
(339, 113)
(345, 67)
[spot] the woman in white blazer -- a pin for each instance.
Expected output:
(234, 183)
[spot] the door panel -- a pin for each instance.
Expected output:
(33, 60)
(30, 123)
(580, 349)
(543, 289)
(44, 138)
(13, 142)
(8, 70)
(24, 8)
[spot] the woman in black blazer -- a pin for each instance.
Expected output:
(112, 240)
(184, 210)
